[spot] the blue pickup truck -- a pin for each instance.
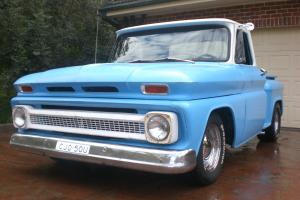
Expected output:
(168, 101)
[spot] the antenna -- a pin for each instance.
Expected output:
(97, 33)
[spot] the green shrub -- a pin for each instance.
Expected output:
(36, 35)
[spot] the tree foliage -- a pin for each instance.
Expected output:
(37, 35)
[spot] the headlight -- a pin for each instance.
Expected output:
(161, 127)
(158, 127)
(19, 117)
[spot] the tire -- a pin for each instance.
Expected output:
(273, 131)
(210, 161)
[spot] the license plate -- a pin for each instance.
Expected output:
(74, 148)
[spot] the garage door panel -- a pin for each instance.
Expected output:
(259, 61)
(278, 51)
(278, 64)
(285, 116)
(286, 90)
(262, 61)
(296, 63)
(294, 120)
(297, 115)
(297, 90)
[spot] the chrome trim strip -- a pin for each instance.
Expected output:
(126, 117)
(144, 159)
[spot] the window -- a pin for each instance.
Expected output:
(242, 51)
(203, 43)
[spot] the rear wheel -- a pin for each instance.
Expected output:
(211, 155)
(273, 131)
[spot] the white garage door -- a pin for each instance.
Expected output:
(278, 51)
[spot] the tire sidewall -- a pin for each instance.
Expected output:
(276, 111)
(204, 176)
(271, 134)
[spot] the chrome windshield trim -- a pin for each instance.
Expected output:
(138, 158)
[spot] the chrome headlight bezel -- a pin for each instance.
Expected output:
(171, 119)
(19, 113)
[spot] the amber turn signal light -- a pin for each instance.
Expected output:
(25, 88)
(155, 89)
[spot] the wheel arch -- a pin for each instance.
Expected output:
(280, 104)
(227, 116)
(230, 109)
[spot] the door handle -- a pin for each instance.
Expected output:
(263, 72)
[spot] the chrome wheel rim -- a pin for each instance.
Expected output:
(211, 148)
(276, 122)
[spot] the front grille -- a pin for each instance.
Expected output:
(86, 123)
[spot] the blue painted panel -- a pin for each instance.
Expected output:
(193, 115)
(274, 90)
(256, 101)
(186, 81)
(196, 90)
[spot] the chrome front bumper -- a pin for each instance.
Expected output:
(144, 159)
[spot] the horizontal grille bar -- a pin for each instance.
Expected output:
(86, 123)
(83, 108)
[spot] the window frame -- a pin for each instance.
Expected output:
(247, 48)
(174, 29)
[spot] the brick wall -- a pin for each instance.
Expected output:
(263, 15)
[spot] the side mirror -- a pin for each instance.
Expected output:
(248, 26)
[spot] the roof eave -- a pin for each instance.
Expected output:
(132, 4)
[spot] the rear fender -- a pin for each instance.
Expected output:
(274, 91)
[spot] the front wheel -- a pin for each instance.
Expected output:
(211, 155)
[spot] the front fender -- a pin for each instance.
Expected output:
(198, 113)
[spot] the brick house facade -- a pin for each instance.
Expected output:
(276, 36)
(263, 15)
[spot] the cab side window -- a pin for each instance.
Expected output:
(242, 51)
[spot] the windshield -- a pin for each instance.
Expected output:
(201, 44)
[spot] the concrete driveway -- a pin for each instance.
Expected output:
(254, 171)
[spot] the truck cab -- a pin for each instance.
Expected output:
(171, 97)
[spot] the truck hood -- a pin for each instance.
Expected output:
(123, 80)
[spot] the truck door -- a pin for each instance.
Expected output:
(255, 96)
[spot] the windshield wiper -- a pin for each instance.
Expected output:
(173, 60)
(141, 61)
(162, 60)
